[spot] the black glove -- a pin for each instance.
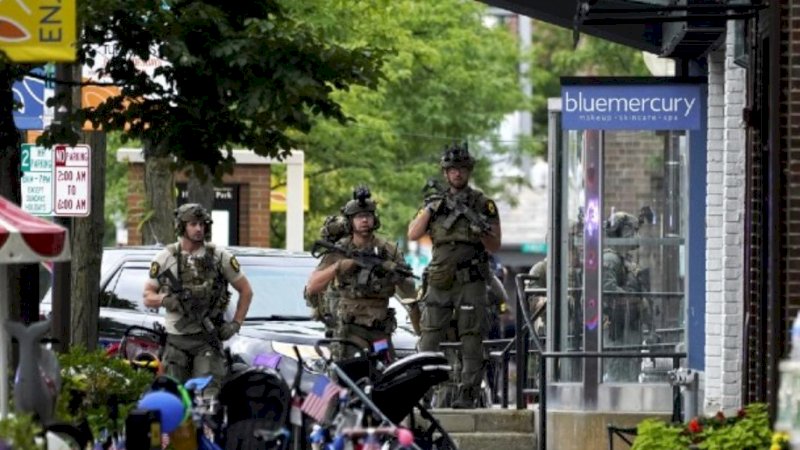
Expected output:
(171, 303)
(228, 329)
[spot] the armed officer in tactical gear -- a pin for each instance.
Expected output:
(189, 279)
(362, 311)
(463, 225)
(626, 312)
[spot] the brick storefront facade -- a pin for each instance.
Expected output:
(254, 199)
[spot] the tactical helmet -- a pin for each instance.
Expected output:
(457, 156)
(361, 203)
(190, 212)
(622, 225)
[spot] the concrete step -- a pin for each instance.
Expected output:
(497, 440)
(486, 420)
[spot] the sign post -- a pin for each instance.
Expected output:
(72, 181)
(37, 180)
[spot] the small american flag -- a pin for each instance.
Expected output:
(318, 401)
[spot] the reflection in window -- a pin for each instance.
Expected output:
(126, 290)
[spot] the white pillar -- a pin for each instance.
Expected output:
(294, 201)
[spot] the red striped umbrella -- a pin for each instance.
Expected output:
(25, 238)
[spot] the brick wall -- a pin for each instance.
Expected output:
(254, 202)
(724, 231)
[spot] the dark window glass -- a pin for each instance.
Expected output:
(125, 289)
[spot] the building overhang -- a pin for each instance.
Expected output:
(670, 28)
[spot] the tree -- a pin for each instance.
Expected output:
(448, 78)
(552, 57)
(236, 74)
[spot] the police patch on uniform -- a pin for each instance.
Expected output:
(235, 264)
(491, 208)
(154, 269)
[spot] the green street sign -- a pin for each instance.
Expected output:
(534, 247)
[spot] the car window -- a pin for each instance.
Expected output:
(277, 291)
(125, 289)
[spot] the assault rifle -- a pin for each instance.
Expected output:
(435, 192)
(184, 297)
(363, 259)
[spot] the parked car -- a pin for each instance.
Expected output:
(278, 318)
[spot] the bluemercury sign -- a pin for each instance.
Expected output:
(632, 107)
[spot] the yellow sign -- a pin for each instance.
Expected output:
(277, 196)
(38, 30)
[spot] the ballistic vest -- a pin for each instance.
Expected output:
(203, 278)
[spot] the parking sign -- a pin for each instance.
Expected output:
(37, 179)
(72, 180)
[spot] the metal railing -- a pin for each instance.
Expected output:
(525, 332)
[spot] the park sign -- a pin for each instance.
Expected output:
(38, 30)
(631, 104)
(56, 181)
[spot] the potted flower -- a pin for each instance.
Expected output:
(748, 429)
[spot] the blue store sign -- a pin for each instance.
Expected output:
(632, 106)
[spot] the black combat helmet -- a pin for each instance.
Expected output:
(361, 203)
(457, 156)
(622, 225)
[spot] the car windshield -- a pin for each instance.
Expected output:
(277, 291)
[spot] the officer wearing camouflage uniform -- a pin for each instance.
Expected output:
(459, 269)
(624, 312)
(325, 304)
(189, 279)
(362, 312)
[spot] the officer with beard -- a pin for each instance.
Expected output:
(190, 279)
(362, 311)
(459, 268)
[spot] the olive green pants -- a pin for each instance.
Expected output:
(465, 305)
(192, 356)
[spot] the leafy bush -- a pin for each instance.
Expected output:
(19, 429)
(94, 386)
(749, 429)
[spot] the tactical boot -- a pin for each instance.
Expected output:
(466, 398)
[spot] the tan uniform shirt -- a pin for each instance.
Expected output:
(165, 260)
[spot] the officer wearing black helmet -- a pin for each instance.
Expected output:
(625, 310)
(459, 269)
(190, 279)
(362, 310)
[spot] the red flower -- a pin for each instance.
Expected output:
(741, 413)
(720, 416)
(694, 426)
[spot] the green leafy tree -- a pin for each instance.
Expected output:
(552, 57)
(236, 73)
(448, 77)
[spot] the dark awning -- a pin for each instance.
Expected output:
(683, 28)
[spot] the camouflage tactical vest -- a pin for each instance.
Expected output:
(364, 283)
(460, 231)
(205, 282)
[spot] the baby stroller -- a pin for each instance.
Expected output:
(256, 403)
(394, 393)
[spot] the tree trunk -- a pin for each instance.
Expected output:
(87, 256)
(10, 184)
(159, 187)
(201, 190)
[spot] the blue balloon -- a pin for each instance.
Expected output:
(170, 406)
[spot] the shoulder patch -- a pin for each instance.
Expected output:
(235, 264)
(491, 208)
(154, 269)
